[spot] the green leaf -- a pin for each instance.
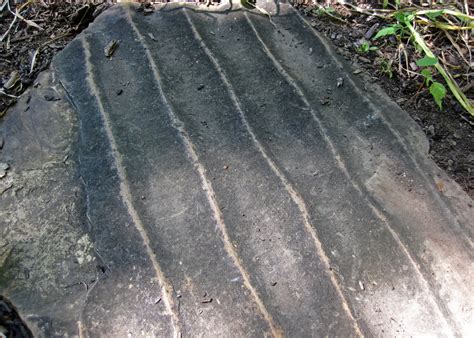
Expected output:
(364, 47)
(426, 73)
(400, 16)
(427, 61)
(323, 11)
(391, 30)
(404, 17)
(410, 17)
(439, 92)
(434, 14)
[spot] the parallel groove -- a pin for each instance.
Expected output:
(294, 194)
(441, 309)
(126, 194)
(429, 182)
(178, 125)
(81, 330)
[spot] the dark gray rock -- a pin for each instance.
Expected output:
(216, 195)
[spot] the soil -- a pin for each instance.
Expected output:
(11, 324)
(25, 42)
(449, 131)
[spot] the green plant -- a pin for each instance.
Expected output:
(405, 25)
(386, 3)
(327, 11)
(398, 29)
(366, 47)
(437, 90)
(386, 67)
(321, 11)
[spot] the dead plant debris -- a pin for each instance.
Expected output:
(31, 33)
(111, 47)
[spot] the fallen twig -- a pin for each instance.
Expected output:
(28, 22)
(11, 24)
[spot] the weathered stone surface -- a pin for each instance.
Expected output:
(194, 183)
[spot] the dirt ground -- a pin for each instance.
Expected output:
(28, 46)
(26, 50)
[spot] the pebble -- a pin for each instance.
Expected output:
(371, 31)
(363, 59)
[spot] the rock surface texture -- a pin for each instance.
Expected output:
(224, 174)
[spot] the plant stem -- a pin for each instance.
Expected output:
(453, 86)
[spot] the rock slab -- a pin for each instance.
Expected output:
(224, 173)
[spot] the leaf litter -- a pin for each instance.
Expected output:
(31, 33)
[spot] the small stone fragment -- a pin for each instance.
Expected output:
(371, 31)
(201, 87)
(357, 71)
(119, 92)
(340, 82)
